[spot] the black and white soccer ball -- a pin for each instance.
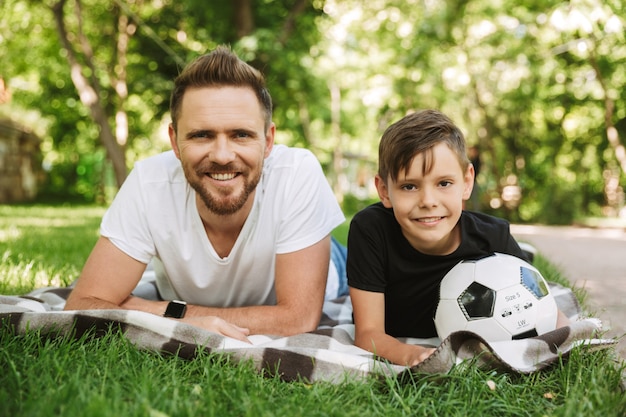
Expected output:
(499, 297)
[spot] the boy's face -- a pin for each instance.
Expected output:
(428, 207)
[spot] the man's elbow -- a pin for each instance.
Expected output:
(310, 325)
(306, 323)
(72, 302)
(72, 305)
(77, 301)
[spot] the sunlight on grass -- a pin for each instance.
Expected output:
(43, 246)
(23, 275)
(10, 233)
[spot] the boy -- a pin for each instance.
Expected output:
(400, 249)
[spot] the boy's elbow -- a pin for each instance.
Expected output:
(364, 342)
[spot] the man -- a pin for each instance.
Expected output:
(236, 227)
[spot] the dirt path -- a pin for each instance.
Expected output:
(594, 259)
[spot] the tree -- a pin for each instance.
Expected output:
(595, 47)
(495, 68)
(89, 87)
(535, 84)
(121, 58)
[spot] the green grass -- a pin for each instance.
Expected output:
(44, 246)
(107, 376)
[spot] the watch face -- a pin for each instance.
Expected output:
(176, 309)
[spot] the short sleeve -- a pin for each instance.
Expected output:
(366, 253)
(308, 207)
(125, 222)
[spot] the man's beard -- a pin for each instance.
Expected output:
(231, 205)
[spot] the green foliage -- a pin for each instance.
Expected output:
(352, 204)
(515, 77)
(534, 84)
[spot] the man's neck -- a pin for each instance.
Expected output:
(223, 230)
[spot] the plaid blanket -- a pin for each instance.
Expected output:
(327, 354)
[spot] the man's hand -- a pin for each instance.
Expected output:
(217, 325)
(211, 323)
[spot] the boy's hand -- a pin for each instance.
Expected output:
(418, 354)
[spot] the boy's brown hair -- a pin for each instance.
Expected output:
(418, 133)
(220, 68)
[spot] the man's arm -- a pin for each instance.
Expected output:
(300, 283)
(369, 321)
(107, 279)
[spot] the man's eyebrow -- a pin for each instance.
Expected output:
(195, 132)
(249, 132)
(211, 133)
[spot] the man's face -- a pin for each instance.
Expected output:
(221, 142)
(428, 206)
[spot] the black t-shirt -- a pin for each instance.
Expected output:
(380, 259)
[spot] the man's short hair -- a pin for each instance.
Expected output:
(220, 68)
(418, 133)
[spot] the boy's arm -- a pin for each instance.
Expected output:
(562, 320)
(369, 321)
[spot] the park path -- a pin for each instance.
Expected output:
(593, 259)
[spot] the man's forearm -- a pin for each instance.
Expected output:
(89, 303)
(277, 320)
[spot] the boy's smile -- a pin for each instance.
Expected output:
(428, 205)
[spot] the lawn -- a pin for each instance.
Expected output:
(47, 245)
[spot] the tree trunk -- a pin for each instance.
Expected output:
(119, 81)
(335, 127)
(290, 22)
(88, 91)
(244, 21)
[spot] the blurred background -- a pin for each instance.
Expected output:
(538, 88)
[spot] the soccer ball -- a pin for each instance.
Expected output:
(499, 297)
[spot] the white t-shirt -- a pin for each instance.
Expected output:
(154, 218)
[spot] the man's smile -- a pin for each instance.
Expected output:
(222, 176)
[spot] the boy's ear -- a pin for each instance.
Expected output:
(468, 179)
(383, 191)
